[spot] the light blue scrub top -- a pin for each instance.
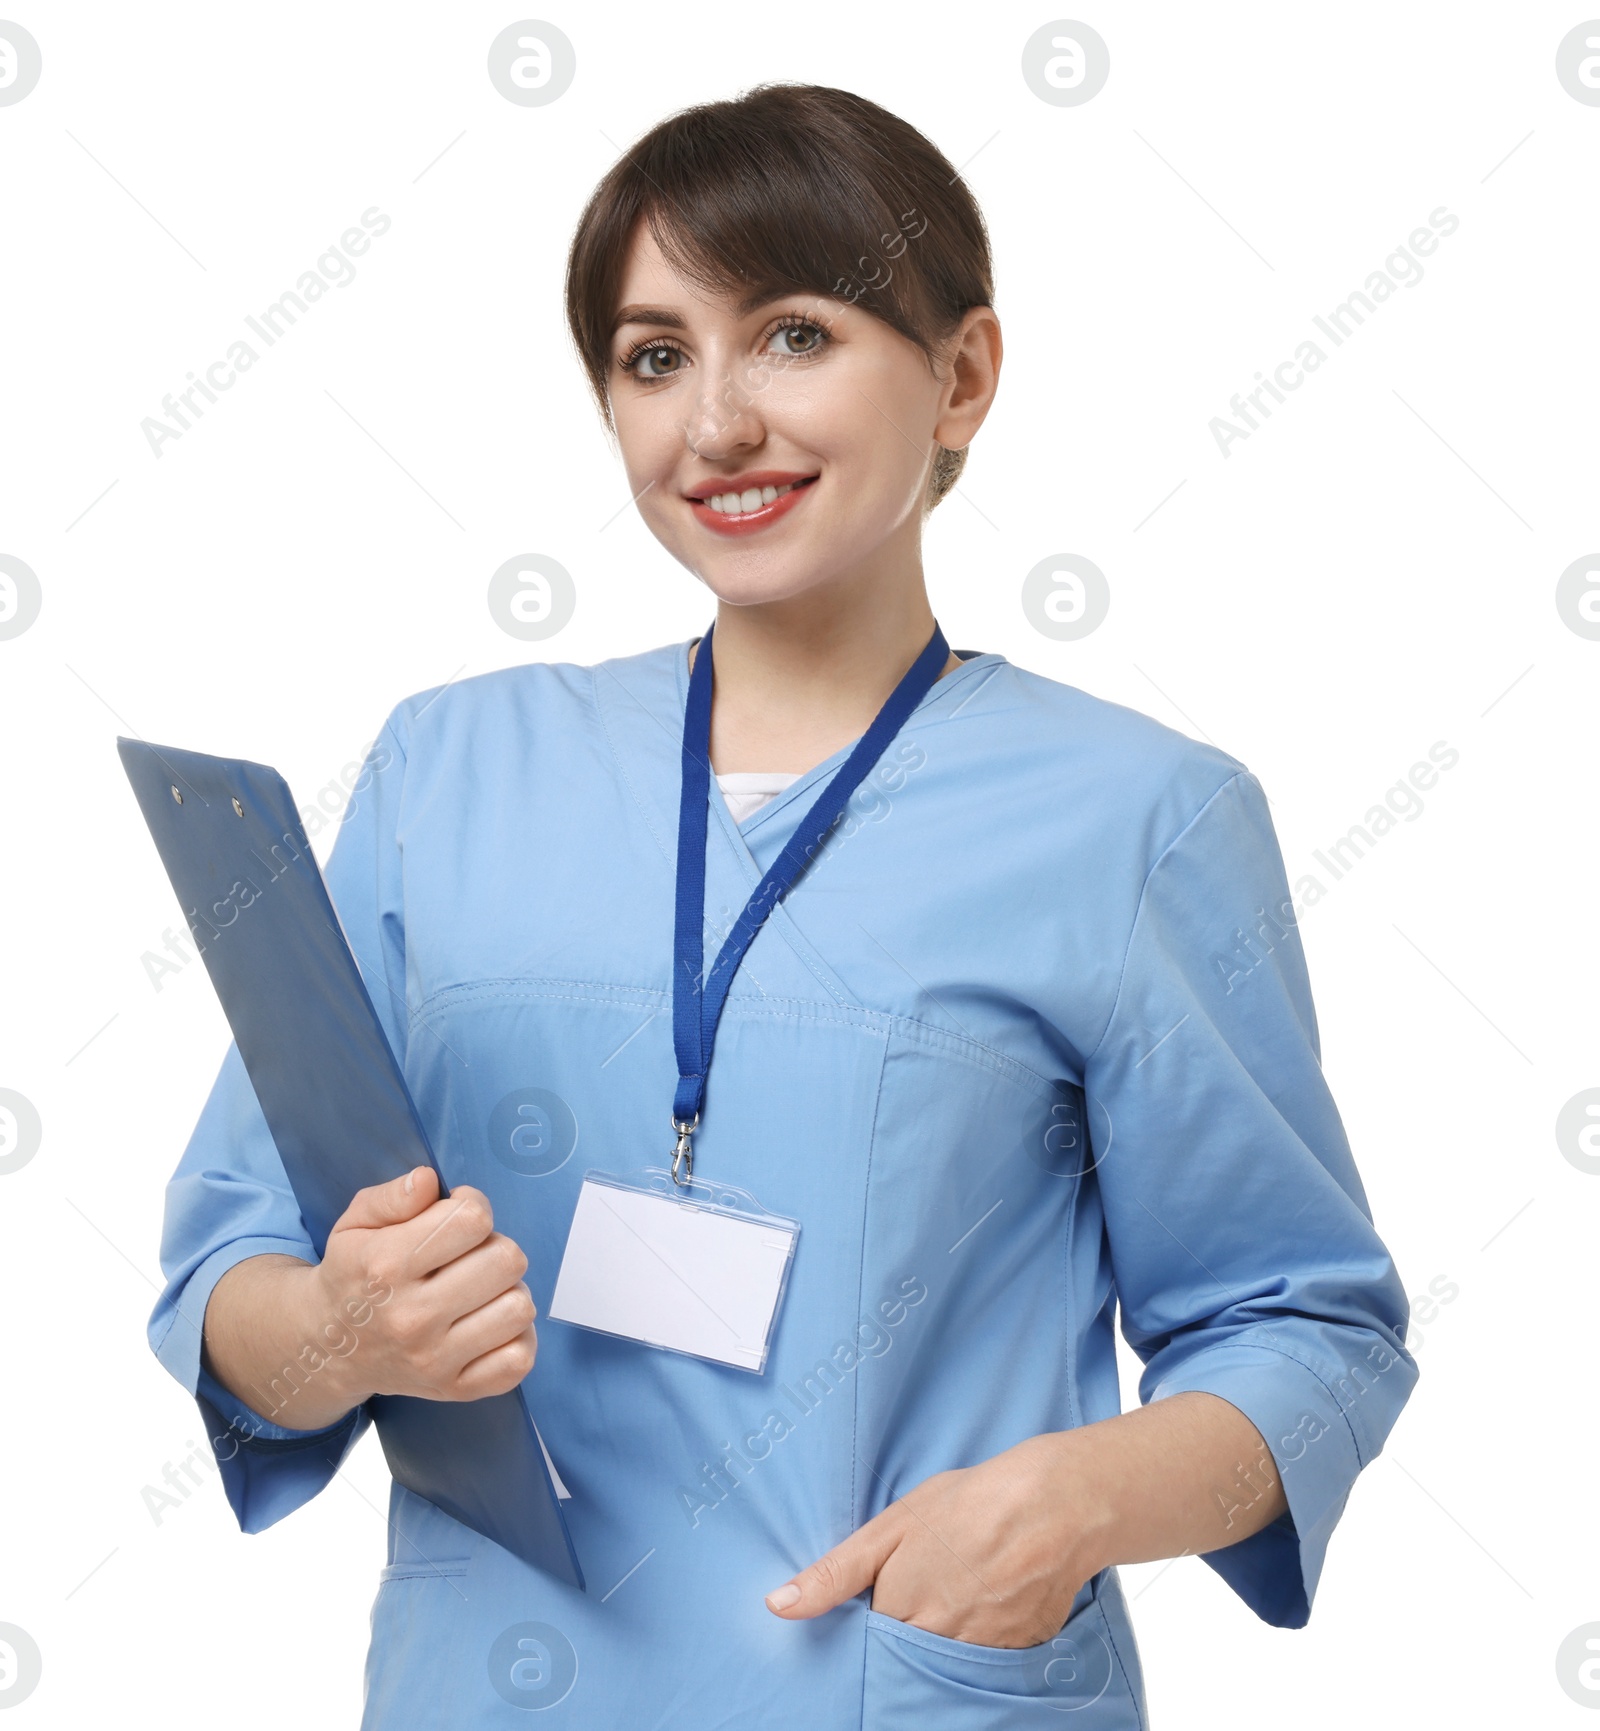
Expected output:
(1033, 1037)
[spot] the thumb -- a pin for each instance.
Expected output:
(839, 1574)
(389, 1204)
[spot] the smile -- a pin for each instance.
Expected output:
(753, 509)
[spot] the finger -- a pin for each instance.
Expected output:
(390, 1204)
(495, 1324)
(841, 1573)
(480, 1274)
(450, 1228)
(500, 1370)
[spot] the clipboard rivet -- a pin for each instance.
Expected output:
(177, 796)
(238, 808)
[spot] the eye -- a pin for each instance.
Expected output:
(795, 324)
(652, 350)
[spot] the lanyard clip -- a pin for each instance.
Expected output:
(683, 1154)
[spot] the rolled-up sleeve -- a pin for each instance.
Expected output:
(1243, 1248)
(230, 1199)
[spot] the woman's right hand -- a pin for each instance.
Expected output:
(414, 1295)
(451, 1317)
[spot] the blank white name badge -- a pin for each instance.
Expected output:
(700, 1270)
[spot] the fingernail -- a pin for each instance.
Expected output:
(786, 1595)
(411, 1179)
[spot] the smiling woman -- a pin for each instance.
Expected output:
(970, 1043)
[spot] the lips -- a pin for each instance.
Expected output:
(752, 522)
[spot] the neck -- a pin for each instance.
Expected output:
(796, 681)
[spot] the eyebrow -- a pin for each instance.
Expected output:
(648, 315)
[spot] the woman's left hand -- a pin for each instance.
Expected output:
(992, 1554)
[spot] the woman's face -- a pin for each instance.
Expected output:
(718, 407)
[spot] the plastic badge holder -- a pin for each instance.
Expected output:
(700, 1269)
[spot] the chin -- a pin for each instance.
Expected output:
(753, 589)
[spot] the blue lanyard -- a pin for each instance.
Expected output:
(696, 1009)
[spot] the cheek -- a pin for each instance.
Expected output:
(863, 432)
(652, 450)
(889, 414)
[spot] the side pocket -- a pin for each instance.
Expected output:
(915, 1679)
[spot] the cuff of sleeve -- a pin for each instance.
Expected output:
(266, 1478)
(177, 1345)
(1317, 1455)
(176, 1327)
(267, 1470)
(246, 1422)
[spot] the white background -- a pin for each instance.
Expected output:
(1372, 571)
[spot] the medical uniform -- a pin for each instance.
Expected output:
(1031, 1038)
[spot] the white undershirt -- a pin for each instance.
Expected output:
(747, 790)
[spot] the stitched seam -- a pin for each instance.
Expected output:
(1144, 890)
(270, 1446)
(1282, 1352)
(1074, 1415)
(780, 919)
(875, 1026)
(589, 992)
(861, 1274)
(399, 710)
(1111, 1637)
(754, 1006)
(403, 993)
(866, 1641)
(970, 1652)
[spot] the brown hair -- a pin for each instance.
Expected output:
(789, 187)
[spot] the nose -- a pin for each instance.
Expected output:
(722, 417)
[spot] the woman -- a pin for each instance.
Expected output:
(1029, 1037)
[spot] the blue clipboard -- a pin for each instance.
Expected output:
(333, 1097)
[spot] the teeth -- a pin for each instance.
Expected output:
(751, 499)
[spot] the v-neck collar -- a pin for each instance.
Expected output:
(938, 696)
(640, 702)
